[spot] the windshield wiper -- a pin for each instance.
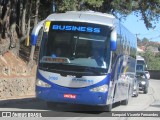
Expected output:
(94, 70)
(73, 67)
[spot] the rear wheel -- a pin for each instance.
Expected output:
(137, 93)
(145, 90)
(125, 102)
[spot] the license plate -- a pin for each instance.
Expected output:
(71, 96)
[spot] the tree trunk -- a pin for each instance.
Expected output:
(29, 18)
(24, 18)
(19, 17)
(4, 27)
(36, 14)
(13, 19)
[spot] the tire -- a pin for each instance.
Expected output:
(51, 105)
(109, 108)
(145, 90)
(137, 94)
(124, 102)
(106, 108)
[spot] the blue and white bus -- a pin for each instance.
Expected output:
(86, 58)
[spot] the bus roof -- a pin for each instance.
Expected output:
(139, 57)
(84, 16)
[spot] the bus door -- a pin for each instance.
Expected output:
(124, 78)
(117, 78)
(121, 78)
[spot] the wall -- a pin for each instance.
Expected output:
(155, 74)
(17, 87)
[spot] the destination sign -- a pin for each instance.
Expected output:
(48, 59)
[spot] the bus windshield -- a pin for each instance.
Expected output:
(76, 46)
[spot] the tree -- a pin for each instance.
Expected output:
(153, 61)
(17, 17)
(149, 10)
(15, 21)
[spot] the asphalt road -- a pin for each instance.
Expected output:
(144, 102)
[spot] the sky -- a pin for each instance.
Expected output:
(136, 26)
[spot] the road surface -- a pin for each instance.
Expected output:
(144, 102)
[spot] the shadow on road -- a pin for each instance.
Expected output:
(33, 104)
(155, 106)
(19, 103)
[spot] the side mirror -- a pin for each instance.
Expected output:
(113, 40)
(35, 32)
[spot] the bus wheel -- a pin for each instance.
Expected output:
(124, 102)
(146, 91)
(51, 105)
(109, 108)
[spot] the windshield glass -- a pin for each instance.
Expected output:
(77, 45)
(140, 62)
(140, 67)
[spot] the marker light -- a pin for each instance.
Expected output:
(46, 26)
(103, 88)
(42, 83)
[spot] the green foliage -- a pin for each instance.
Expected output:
(154, 64)
(95, 3)
(149, 10)
(145, 40)
(153, 60)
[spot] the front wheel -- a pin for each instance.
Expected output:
(51, 104)
(137, 93)
(124, 102)
(107, 108)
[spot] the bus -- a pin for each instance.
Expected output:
(85, 58)
(141, 64)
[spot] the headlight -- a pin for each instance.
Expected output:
(143, 82)
(41, 83)
(135, 87)
(103, 88)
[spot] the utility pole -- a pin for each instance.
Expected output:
(137, 36)
(54, 6)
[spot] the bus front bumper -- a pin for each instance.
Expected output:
(71, 95)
